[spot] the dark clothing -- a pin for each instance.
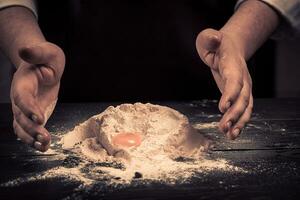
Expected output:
(137, 50)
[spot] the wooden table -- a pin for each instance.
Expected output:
(268, 149)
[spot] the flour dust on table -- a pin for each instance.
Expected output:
(133, 143)
(149, 141)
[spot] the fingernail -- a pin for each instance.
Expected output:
(37, 145)
(236, 132)
(40, 138)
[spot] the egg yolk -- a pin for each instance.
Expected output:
(127, 140)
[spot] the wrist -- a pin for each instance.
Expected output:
(236, 42)
(251, 25)
(18, 29)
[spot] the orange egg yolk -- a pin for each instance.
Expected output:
(127, 140)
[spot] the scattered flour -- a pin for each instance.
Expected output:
(173, 155)
(201, 126)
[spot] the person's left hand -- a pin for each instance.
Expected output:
(34, 92)
(227, 63)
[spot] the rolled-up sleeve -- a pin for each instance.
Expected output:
(289, 11)
(30, 4)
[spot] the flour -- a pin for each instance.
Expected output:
(172, 150)
(200, 126)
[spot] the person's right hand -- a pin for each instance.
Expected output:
(222, 53)
(34, 92)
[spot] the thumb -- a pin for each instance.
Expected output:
(207, 42)
(48, 57)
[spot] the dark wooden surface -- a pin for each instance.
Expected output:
(269, 149)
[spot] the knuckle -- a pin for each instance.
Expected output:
(22, 135)
(235, 115)
(58, 53)
(233, 119)
(18, 116)
(239, 82)
(27, 126)
(221, 106)
(239, 110)
(30, 129)
(246, 99)
(17, 98)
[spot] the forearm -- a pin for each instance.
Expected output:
(18, 29)
(250, 26)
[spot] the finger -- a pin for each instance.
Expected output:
(39, 146)
(233, 114)
(27, 105)
(233, 83)
(234, 132)
(34, 130)
(218, 79)
(48, 57)
(26, 138)
(208, 42)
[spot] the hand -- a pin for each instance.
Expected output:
(226, 61)
(34, 91)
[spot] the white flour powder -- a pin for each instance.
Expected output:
(171, 149)
(158, 158)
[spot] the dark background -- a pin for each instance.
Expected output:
(122, 50)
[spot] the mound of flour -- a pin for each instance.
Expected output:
(168, 156)
(162, 130)
(170, 147)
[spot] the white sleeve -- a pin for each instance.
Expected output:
(289, 10)
(30, 4)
